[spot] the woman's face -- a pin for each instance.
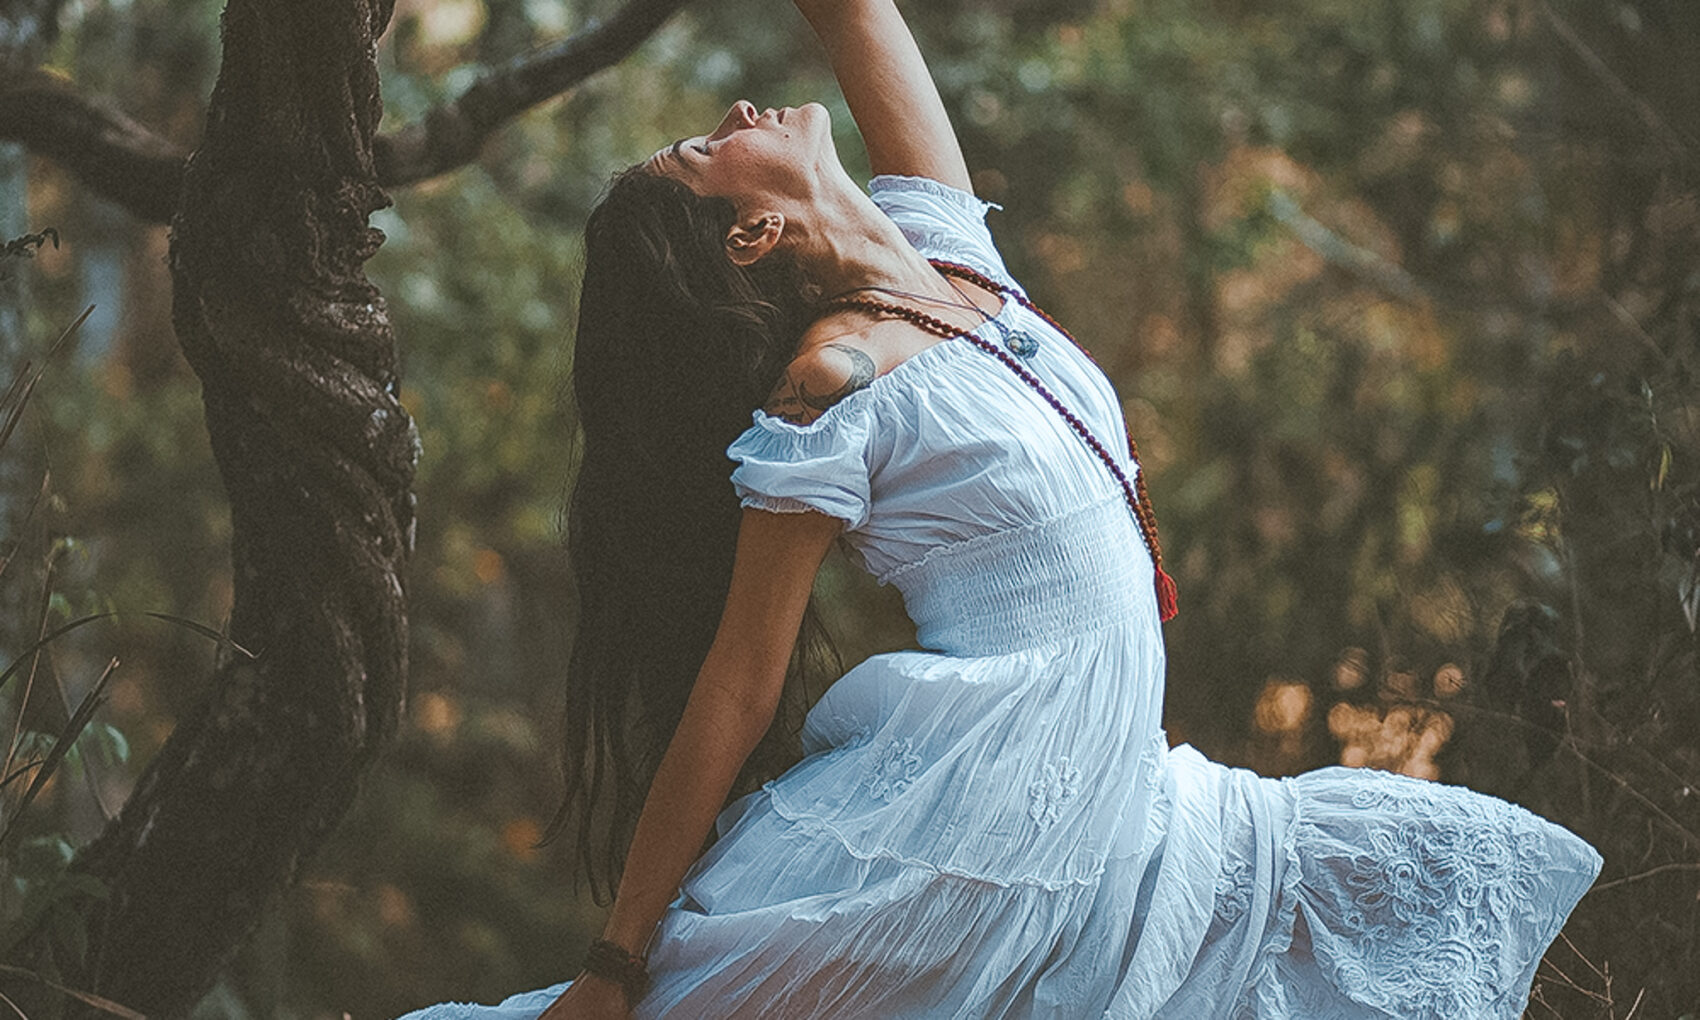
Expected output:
(761, 161)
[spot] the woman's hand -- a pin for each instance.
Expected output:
(589, 998)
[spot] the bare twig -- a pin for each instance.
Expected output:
(1655, 124)
(13, 1006)
(1566, 981)
(97, 1001)
(1579, 955)
(1372, 268)
(1627, 320)
(1649, 873)
(1573, 744)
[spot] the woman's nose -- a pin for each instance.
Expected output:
(741, 115)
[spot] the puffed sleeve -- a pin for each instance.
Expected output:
(942, 222)
(821, 466)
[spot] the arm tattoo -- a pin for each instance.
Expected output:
(792, 401)
(861, 374)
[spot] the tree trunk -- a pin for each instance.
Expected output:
(297, 361)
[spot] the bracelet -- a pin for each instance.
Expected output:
(612, 962)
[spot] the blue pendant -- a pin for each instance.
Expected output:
(1020, 343)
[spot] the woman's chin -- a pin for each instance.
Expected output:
(814, 119)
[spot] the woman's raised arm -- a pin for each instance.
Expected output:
(891, 95)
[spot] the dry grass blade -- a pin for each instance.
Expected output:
(48, 639)
(29, 515)
(16, 386)
(61, 746)
(99, 1002)
(29, 687)
(19, 771)
(22, 399)
(199, 628)
(205, 631)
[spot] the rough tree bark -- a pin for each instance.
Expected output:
(298, 366)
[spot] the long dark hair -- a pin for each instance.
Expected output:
(676, 346)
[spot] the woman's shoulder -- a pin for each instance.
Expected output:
(840, 356)
(825, 373)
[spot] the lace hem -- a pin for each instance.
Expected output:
(1420, 901)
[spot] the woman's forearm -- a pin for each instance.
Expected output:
(731, 705)
(886, 84)
(719, 729)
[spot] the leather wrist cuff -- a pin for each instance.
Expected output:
(611, 962)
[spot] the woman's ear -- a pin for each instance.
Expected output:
(746, 243)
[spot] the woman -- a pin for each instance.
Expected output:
(994, 827)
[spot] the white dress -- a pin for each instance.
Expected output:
(996, 827)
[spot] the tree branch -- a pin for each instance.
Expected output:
(117, 157)
(143, 172)
(450, 136)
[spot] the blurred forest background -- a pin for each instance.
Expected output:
(1403, 299)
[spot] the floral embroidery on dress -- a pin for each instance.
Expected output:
(1057, 786)
(1445, 873)
(893, 770)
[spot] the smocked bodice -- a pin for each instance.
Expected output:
(1083, 570)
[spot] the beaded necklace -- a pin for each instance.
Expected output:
(1138, 499)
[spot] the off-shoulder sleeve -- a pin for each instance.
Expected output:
(822, 466)
(942, 222)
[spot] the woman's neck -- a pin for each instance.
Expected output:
(862, 249)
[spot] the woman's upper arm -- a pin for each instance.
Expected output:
(890, 92)
(773, 572)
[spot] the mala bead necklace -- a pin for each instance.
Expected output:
(1134, 492)
(1019, 342)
